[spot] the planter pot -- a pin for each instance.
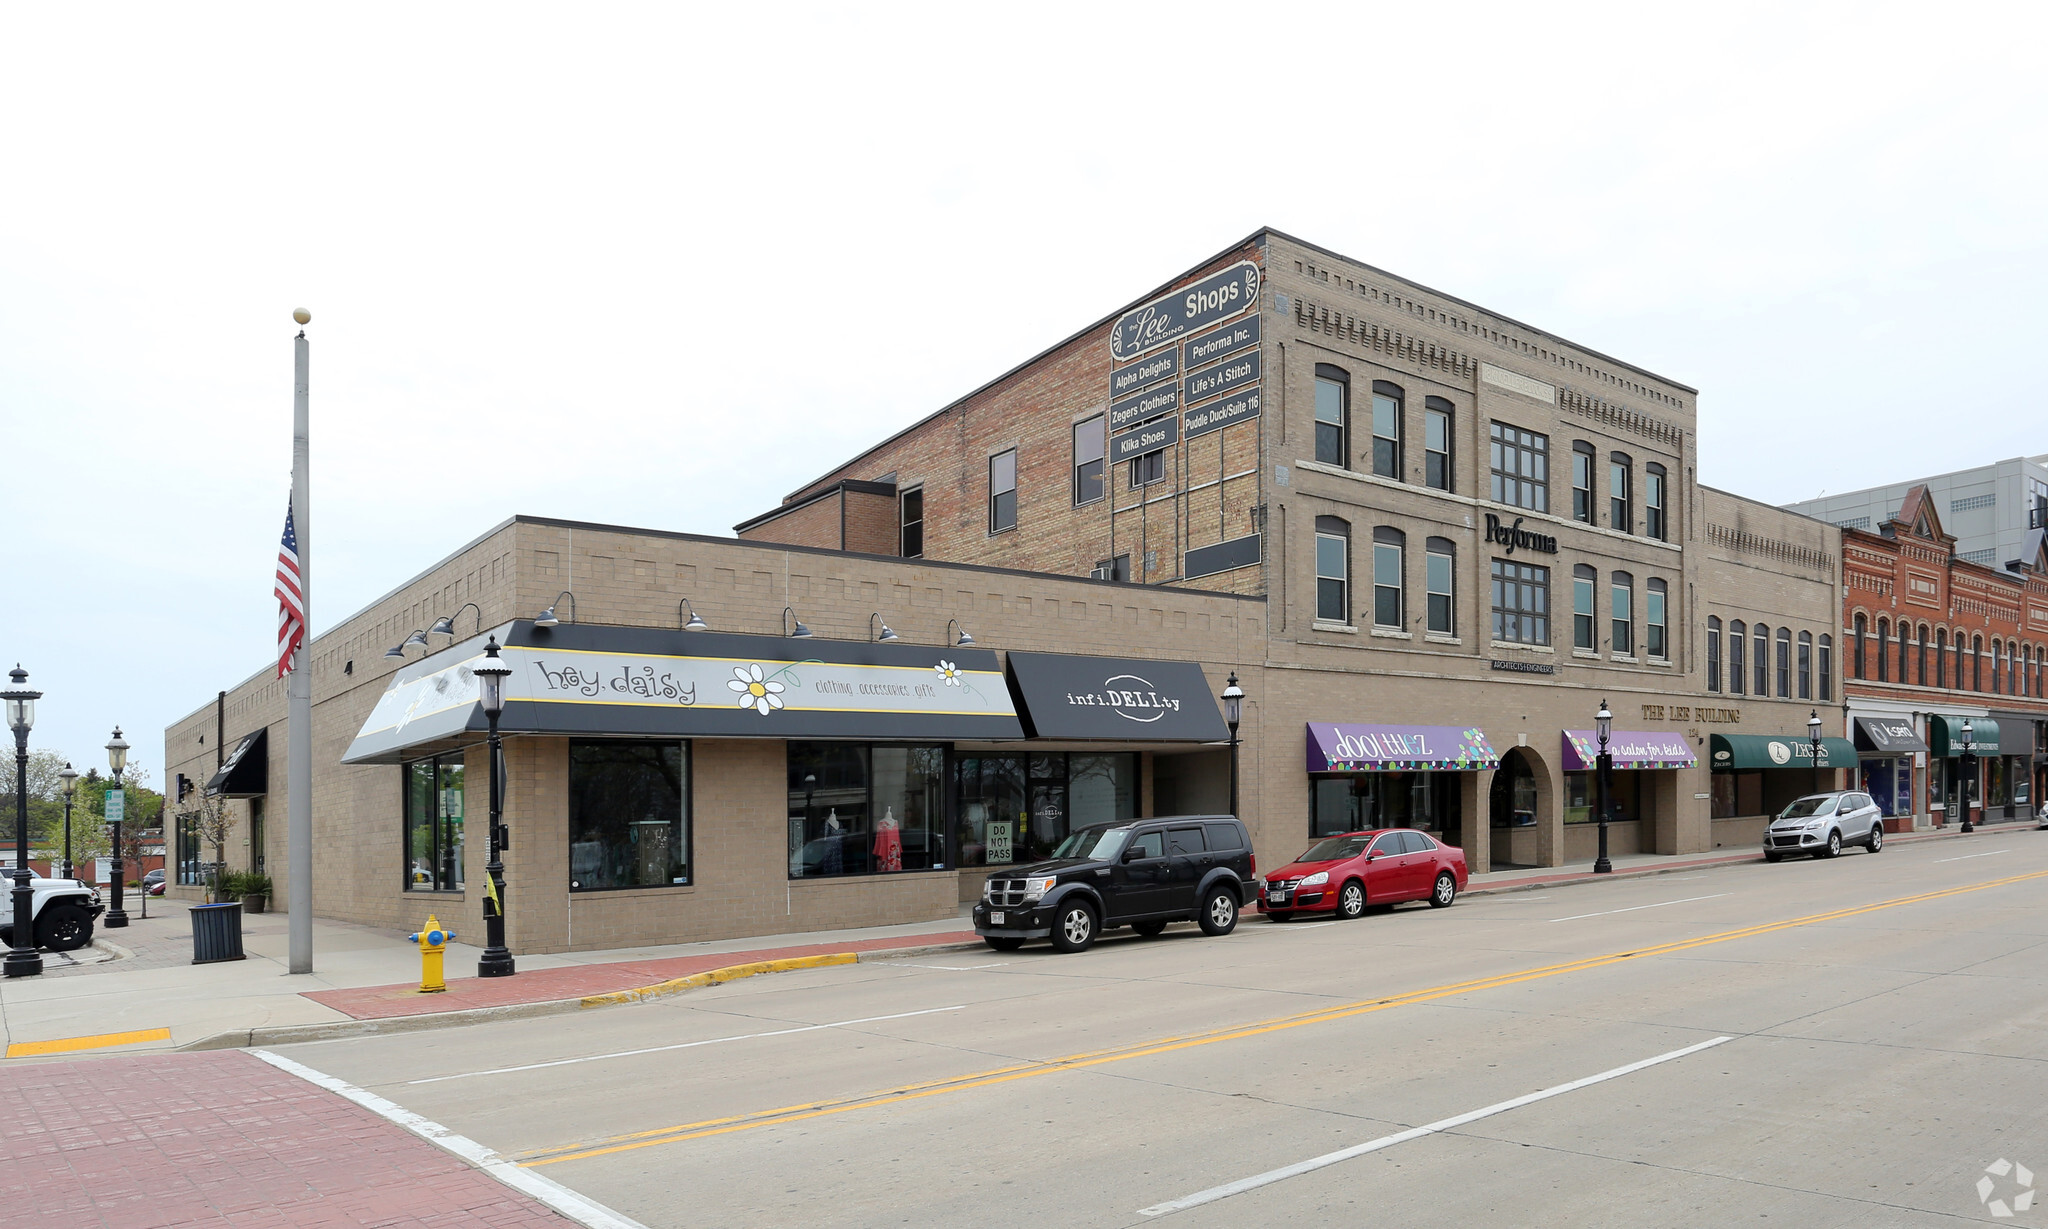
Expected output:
(253, 904)
(217, 933)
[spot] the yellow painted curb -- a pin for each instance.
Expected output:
(63, 1045)
(712, 977)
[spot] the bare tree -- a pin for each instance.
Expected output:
(214, 823)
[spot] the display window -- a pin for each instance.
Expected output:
(629, 814)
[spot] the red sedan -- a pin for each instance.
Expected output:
(1343, 874)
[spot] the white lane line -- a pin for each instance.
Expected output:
(579, 1208)
(1271, 1176)
(1966, 857)
(1632, 908)
(688, 1045)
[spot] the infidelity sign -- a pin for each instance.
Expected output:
(1170, 317)
(1140, 407)
(1144, 374)
(1151, 437)
(1115, 698)
(1228, 340)
(1219, 414)
(1227, 376)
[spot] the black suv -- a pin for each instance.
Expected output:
(1142, 874)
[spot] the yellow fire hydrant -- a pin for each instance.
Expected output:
(433, 943)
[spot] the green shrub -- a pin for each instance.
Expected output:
(254, 884)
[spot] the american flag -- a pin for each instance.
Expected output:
(291, 605)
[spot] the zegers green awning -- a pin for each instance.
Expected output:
(1945, 735)
(1734, 752)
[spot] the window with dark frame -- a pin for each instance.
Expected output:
(910, 522)
(1621, 590)
(1002, 491)
(1653, 501)
(1827, 667)
(1582, 481)
(1521, 602)
(1654, 634)
(1389, 545)
(1784, 663)
(1856, 661)
(629, 814)
(865, 809)
(1388, 403)
(1333, 415)
(1713, 653)
(1333, 570)
(1584, 580)
(1436, 443)
(1619, 514)
(1805, 665)
(1738, 677)
(1088, 461)
(1920, 655)
(1148, 469)
(433, 824)
(1941, 657)
(1884, 649)
(1521, 468)
(1760, 642)
(1441, 566)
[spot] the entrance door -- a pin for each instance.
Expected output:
(256, 858)
(1512, 812)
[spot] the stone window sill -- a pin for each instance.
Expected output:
(1343, 628)
(1517, 646)
(1440, 638)
(1390, 634)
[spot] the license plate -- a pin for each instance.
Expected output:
(995, 918)
(1278, 898)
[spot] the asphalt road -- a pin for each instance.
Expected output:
(1842, 1043)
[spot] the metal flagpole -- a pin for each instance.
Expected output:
(299, 756)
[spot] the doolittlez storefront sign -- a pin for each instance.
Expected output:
(1212, 300)
(1115, 698)
(621, 680)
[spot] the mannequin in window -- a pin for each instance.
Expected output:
(888, 842)
(832, 864)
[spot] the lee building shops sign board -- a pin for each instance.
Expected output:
(598, 680)
(1191, 309)
(1115, 699)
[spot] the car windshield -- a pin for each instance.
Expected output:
(1822, 804)
(1101, 841)
(1336, 849)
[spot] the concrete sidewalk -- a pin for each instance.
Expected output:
(153, 997)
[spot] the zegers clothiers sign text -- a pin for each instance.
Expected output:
(1212, 300)
(1512, 536)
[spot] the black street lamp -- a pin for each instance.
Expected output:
(1969, 771)
(490, 676)
(1813, 732)
(67, 778)
(1603, 765)
(117, 759)
(22, 958)
(1233, 709)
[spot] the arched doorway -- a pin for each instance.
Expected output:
(1512, 809)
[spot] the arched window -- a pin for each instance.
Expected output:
(1655, 619)
(1784, 663)
(1653, 500)
(2012, 665)
(1440, 568)
(1621, 591)
(1333, 415)
(1920, 655)
(1388, 404)
(1941, 657)
(1806, 665)
(1620, 513)
(1856, 662)
(1976, 663)
(1738, 636)
(1333, 569)
(1388, 546)
(1713, 652)
(1827, 667)
(1997, 663)
(1905, 643)
(1583, 461)
(1760, 646)
(1585, 579)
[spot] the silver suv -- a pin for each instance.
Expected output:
(1820, 824)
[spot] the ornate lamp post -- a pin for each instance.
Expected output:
(22, 959)
(1968, 768)
(67, 777)
(117, 808)
(490, 676)
(1813, 733)
(1603, 764)
(1233, 709)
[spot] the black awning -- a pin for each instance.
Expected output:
(1887, 736)
(246, 771)
(1115, 699)
(2015, 733)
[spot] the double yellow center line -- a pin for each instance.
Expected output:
(1165, 1045)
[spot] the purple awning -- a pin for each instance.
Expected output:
(1334, 747)
(1630, 749)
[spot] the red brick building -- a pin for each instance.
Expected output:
(1934, 642)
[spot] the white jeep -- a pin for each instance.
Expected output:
(64, 912)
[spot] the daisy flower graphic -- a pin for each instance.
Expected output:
(948, 671)
(754, 692)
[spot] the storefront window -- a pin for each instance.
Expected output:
(1737, 794)
(1997, 788)
(629, 814)
(189, 870)
(856, 809)
(1356, 802)
(1624, 797)
(1889, 782)
(433, 824)
(1015, 808)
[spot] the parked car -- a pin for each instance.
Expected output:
(64, 913)
(1143, 874)
(1345, 873)
(1819, 825)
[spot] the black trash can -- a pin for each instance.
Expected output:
(217, 932)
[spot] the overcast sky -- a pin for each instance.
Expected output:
(658, 265)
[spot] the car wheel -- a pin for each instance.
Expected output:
(1445, 892)
(1279, 915)
(1773, 856)
(1073, 930)
(1219, 913)
(1003, 943)
(1351, 901)
(1149, 929)
(1876, 841)
(1832, 848)
(64, 928)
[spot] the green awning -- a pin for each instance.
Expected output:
(1945, 735)
(1733, 752)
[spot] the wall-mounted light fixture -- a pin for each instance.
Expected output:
(694, 624)
(886, 633)
(548, 618)
(965, 639)
(800, 632)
